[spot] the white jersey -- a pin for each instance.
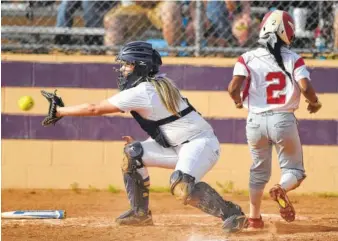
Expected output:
(268, 87)
(145, 101)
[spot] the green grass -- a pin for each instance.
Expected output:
(113, 189)
(266, 196)
(93, 189)
(160, 189)
(327, 194)
(320, 194)
(75, 187)
(228, 187)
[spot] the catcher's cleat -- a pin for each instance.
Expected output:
(234, 223)
(255, 223)
(132, 218)
(278, 194)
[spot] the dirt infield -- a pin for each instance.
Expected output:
(90, 216)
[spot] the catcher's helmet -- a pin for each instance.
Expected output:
(145, 59)
(279, 22)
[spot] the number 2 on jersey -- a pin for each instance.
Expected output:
(280, 99)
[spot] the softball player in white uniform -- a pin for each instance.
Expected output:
(195, 157)
(275, 77)
(180, 139)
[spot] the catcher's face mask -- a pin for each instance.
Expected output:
(126, 69)
(131, 74)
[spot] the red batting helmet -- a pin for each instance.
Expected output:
(279, 22)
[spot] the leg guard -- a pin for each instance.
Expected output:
(137, 191)
(208, 200)
(136, 185)
(201, 196)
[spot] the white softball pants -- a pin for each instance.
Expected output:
(195, 158)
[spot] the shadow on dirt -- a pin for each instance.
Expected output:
(285, 228)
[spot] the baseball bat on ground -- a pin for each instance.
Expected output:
(34, 214)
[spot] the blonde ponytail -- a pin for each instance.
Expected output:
(169, 94)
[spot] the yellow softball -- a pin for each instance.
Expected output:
(25, 103)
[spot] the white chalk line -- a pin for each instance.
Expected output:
(159, 220)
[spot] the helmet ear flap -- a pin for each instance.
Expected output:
(157, 57)
(142, 69)
(156, 62)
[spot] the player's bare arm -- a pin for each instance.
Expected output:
(234, 90)
(101, 108)
(57, 109)
(309, 93)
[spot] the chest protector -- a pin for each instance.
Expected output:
(152, 128)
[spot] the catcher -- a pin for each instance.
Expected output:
(180, 138)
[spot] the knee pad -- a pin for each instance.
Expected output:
(298, 174)
(133, 157)
(181, 185)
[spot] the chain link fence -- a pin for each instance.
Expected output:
(176, 28)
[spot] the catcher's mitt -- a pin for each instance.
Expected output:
(54, 101)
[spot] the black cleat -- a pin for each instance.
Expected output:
(133, 218)
(234, 223)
